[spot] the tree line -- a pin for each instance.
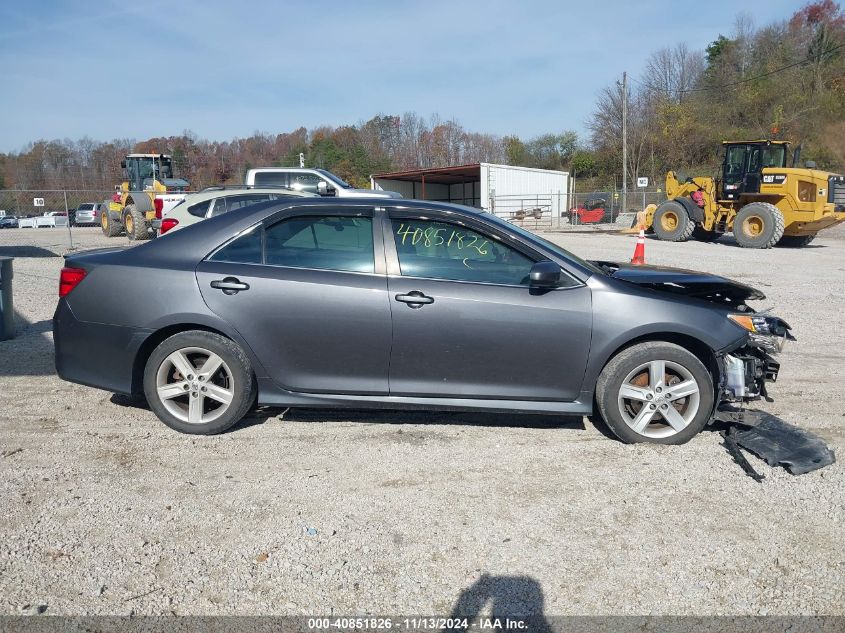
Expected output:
(783, 80)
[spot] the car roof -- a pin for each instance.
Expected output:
(214, 231)
(287, 169)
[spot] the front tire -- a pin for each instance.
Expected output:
(671, 222)
(199, 382)
(655, 392)
(109, 226)
(758, 225)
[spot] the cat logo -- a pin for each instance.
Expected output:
(774, 179)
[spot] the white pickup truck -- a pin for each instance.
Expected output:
(319, 181)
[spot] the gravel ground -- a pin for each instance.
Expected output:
(106, 511)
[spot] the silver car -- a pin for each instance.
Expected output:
(87, 214)
(214, 201)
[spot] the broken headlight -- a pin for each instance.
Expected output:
(765, 331)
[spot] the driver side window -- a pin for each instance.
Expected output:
(440, 250)
(304, 182)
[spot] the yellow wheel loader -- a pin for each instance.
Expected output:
(757, 197)
(148, 189)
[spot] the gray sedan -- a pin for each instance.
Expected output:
(405, 304)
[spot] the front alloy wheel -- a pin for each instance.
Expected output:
(658, 399)
(655, 392)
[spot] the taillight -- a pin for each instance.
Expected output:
(69, 279)
(167, 224)
(158, 203)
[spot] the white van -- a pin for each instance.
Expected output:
(319, 181)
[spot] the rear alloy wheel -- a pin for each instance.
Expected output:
(671, 222)
(655, 392)
(199, 382)
(758, 225)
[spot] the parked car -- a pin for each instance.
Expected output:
(8, 222)
(87, 214)
(318, 181)
(311, 302)
(214, 201)
(52, 219)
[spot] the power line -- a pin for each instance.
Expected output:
(801, 62)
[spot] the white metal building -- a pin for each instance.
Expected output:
(506, 190)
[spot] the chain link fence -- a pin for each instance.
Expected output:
(50, 222)
(562, 211)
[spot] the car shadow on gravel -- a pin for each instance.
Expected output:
(30, 352)
(27, 251)
(261, 415)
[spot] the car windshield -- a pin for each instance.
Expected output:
(533, 237)
(335, 179)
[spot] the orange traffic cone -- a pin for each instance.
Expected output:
(639, 251)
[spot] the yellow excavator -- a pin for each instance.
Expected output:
(757, 197)
(149, 187)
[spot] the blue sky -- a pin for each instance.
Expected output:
(108, 69)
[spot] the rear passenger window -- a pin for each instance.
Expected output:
(245, 249)
(324, 242)
(199, 209)
(237, 202)
(272, 178)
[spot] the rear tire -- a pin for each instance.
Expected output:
(672, 223)
(108, 225)
(135, 223)
(796, 241)
(635, 391)
(217, 392)
(758, 225)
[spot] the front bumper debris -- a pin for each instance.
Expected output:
(745, 372)
(774, 441)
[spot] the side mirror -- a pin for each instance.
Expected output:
(324, 189)
(123, 164)
(544, 274)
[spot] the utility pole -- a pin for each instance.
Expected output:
(624, 142)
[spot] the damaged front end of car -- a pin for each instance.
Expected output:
(745, 370)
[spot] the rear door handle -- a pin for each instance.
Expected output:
(229, 285)
(415, 299)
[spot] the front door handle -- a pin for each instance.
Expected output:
(229, 285)
(415, 299)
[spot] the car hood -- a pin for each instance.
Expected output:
(689, 283)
